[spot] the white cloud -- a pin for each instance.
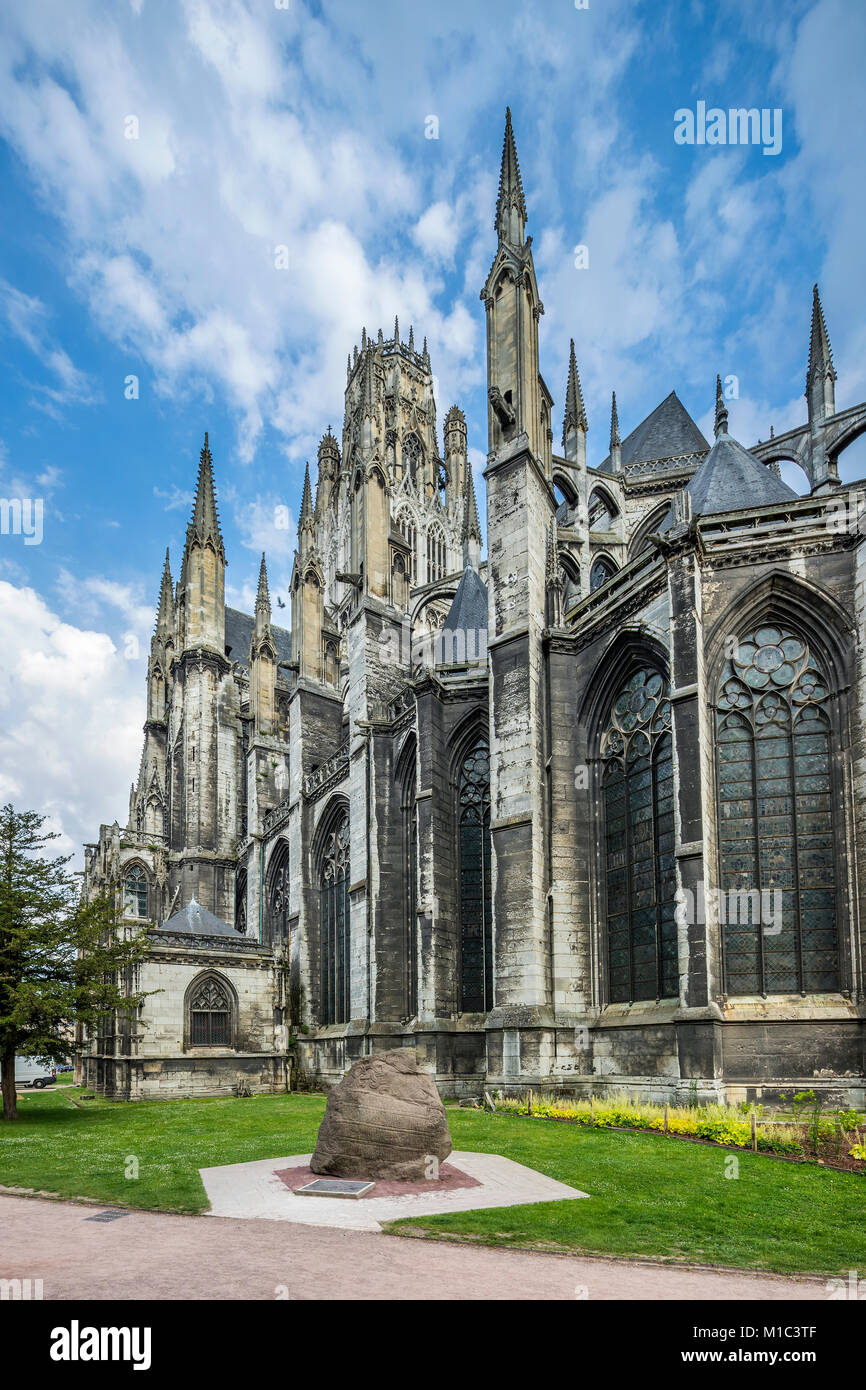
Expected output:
(71, 710)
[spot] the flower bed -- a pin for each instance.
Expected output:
(826, 1140)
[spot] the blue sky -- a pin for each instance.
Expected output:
(304, 127)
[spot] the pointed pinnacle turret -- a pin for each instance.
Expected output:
(471, 524)
(510, 221)
(396, 331)
(721, 426)
(165, 610)
(575, 414)
(306, 498)
(205, 525)
(411, 337)
(263, 598)
(820, 353)
(615, 440)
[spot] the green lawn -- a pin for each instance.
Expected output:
(650, 1196)
(83, 1151)
(663, 1198)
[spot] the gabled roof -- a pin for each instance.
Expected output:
(195, 920)
(468, 611)
(667, 432)
(239, 630)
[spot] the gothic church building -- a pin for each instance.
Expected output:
(588, 814)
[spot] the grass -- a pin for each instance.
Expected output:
(662, 1199)
(650, 1197)
(83, 1151)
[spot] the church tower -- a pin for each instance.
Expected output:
(204, 729)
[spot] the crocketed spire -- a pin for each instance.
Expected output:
(511, 204)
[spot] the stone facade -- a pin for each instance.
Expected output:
(486, 809)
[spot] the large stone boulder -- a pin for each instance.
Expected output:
(383, 1120)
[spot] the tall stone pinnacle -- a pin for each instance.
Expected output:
(575, 414)
(820, 354)
(721, 426)
(510, 221)
(205, 525)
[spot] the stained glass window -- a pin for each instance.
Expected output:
(135, 892)
(639, 842)
(476, 928)
(334, 901)
(209, 1015)
(600, 573)
(776, 832)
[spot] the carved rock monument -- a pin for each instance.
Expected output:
(384, 1120)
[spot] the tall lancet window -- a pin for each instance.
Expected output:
(476, 919)
(776, 818)
(637, 789)
(406, 525)
(435, 554)
(277, 920)
(334, 907)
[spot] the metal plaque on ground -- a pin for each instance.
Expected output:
(334, 1187)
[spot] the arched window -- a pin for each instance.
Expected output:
(637, 794)
(776, 813)
(277, 915)
(241, 902)
(135, 892)
(601, 571)
(406, 527)
(334, 918)
(476, 922)
(210, 1015)
(413, 456)
(435, 554)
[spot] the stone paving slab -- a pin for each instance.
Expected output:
(254, 1190)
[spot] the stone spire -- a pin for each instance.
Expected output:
(721, 425)
(615, 441)
(263, 598)
(471, 530)
(205, 525)
(165, 611)
(821, 374)
(510, 221)
(574, 425)
(575, 414)
(306, 514)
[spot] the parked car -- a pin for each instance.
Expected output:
(66, 1066)
(34, 1071)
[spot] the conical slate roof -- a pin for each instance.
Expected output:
(468, 611)
(667, 432)
(730, 479)
(195, 920)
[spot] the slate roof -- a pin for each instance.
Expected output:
(195, 920)
(730, 479)
(239, 629)
(667, 432)
(468, 611)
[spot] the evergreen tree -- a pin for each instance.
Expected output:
(62, 960)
